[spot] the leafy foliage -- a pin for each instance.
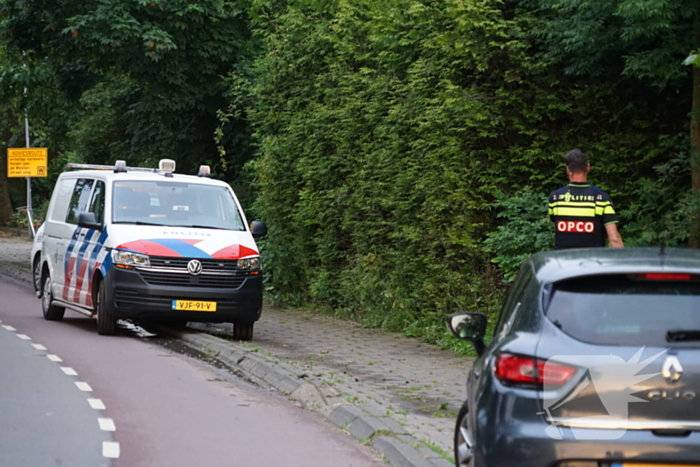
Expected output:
(526, 230)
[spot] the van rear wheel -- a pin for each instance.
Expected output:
(243, 331)
(106, 323)
(51, 312)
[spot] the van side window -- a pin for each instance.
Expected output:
(97, 205)
(79, 199)
(60, 199)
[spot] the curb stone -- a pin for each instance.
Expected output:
(366, 424)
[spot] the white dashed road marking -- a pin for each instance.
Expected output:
(96, 404)
(110, 450)
(106, 424)
(69, 371)
(83, 386)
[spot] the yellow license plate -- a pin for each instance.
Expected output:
(192, 305)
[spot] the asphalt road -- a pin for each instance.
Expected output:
(130, 401)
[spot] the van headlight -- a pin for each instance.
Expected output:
(128, 258)
(249, 264)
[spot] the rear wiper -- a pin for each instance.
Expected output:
(680, 336)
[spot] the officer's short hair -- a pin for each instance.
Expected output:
(576, 161)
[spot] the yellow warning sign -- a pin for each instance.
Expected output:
(27, 162)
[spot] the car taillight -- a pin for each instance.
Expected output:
(519, 369)
(664, 277)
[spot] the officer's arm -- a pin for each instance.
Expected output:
(614, 237)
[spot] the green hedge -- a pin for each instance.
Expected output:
(387, 132)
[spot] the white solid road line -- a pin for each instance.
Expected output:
(110, 449)
(106, 424)
(69, 371)
(83, 386)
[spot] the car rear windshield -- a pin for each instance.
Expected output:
(175, 204)
(630, 309)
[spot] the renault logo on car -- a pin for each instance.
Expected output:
(194, 267)
(672, 369)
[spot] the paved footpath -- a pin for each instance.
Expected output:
(397, 393)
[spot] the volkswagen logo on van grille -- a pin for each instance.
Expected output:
(194, 267)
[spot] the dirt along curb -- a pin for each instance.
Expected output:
(411, 440)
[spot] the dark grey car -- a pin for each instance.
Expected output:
(594, 362)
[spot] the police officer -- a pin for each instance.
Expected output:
(583, 214)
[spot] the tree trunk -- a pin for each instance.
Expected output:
(5, 204)
(695, 151)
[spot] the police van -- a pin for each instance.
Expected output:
(124, 242)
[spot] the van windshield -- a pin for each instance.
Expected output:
(175, 204)
(623, 309)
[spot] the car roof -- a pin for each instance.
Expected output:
(141, 176)
(553, 266)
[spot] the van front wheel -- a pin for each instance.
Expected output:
(106, 323)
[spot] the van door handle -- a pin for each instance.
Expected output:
(81, 234)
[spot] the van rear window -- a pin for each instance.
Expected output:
(629, 309)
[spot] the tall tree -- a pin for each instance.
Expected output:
(161, 64)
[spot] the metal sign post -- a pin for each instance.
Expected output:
(29, 181)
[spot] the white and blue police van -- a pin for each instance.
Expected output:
(148, 244)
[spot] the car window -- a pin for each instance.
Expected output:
(97, 204)
(624, 309)
(175, 204)
(510, 309)
(61, 199)
(79, 199)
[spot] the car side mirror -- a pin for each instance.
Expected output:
(258, 229)
(88, 221)
(469, 326)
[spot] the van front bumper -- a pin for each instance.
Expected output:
(138, 294)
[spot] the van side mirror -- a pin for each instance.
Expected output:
(258, 229)
(469, 327)
(87, 220)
